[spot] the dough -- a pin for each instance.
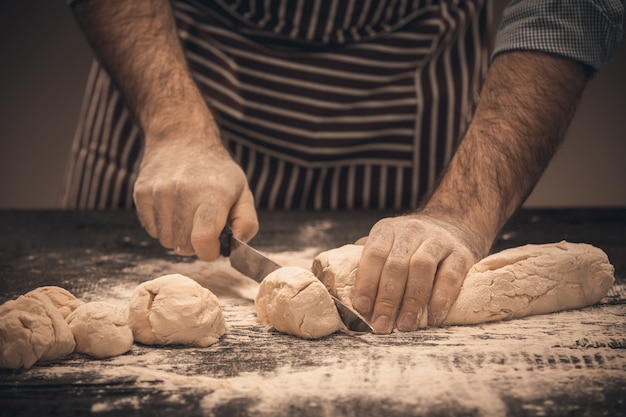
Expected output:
(32, 329)
(514, 283)
(530, 280)
(292, 300)
(62, 299)
(174, 309)
(100, 329)
(336, 268)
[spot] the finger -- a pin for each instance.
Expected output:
(448, 281)
(163, 215)
(370, 268)
(184, 208)
(243, 217)
(422, 269)
(392, 285)
(361, 241)
(145, 209)
(208, 223)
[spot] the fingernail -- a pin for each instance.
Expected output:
(382, 325)
(407, 322)
(362, 305)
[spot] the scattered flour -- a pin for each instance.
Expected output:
(469, 370)
(473, 369)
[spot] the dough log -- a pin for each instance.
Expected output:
(514, 283)
(530, 280)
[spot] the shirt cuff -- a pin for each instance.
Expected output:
(588, 31)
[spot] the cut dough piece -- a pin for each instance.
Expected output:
(100, 329)
(336, 268)
(174, 309)
(530, 280)
(62, 299)
(514, 283)
(32, 329)
(293, 301)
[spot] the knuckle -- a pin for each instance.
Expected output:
(160, 188)
(395, 267)
(417, 295)
(386, 305)
(376, 253)
(423, 264)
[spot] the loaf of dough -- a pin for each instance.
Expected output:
(514, 283)
(530, 280)
(32, 329)
(174, 309)
(100, 329)
(293, 301)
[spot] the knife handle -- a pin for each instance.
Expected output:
(225, 239)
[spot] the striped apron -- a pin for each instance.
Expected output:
(326, 104)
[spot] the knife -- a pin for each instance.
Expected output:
(252, 263)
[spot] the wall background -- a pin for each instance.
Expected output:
(44, 65)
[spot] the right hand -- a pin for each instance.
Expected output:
(413, 265)
(188, 188)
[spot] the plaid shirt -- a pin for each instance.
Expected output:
(589, 31)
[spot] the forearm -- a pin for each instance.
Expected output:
(526, 104)
(137, 42)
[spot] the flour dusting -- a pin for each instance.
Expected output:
(482, 370)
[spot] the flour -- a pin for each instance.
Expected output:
(461, 370)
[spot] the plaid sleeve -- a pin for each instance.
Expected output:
(589, 31)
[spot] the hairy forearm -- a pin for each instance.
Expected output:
(526, 104)
(136, 41)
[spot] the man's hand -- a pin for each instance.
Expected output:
(187, 189)
(188, 185)
(413, 261)
(411, 266)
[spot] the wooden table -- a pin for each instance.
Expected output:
(564, 364)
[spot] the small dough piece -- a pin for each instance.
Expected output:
(62, 299)
(336, 268)
(100, 329)
(174, 309)
(293, 301)
(32, 329)
(530, 280)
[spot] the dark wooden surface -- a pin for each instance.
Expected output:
(563, 364)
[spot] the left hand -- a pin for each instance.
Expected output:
(413, 265)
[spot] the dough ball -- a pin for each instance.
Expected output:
(32, 329)
(62, 299)
(100, 329)
(174, 309)
(292, 300)
(532, 279)
(336, 268)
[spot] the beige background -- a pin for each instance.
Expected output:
(44, 65)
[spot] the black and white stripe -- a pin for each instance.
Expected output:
(326, 104)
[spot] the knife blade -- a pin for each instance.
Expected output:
(252, 263)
